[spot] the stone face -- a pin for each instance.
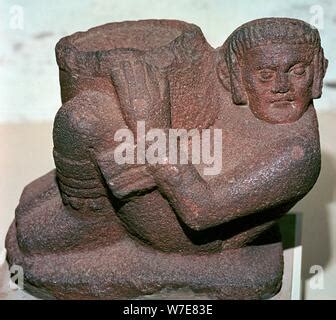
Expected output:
(96, 229)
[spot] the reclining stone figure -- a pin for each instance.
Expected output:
(96, 229)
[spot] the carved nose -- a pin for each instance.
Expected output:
(281, 84)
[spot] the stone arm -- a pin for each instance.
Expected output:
(143, 94)
(285, 177)
(125, 180)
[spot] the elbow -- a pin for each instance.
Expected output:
(196, 225)
(198, 220)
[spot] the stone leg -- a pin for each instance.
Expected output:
(45, 225)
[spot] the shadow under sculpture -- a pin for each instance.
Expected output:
(94, 229)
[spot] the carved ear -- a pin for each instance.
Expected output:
(237, 89)
(232, 82)
(320, 68)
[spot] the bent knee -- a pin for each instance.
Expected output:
(88, 120)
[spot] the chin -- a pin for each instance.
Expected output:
(282, 115)
(281, 120)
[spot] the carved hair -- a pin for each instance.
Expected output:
(270, 31)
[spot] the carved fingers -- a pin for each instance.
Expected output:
(124, 180)
(143, 91)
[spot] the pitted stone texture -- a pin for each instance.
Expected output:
(93, 228)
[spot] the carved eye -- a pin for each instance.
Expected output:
(298, 70)
(266, 75)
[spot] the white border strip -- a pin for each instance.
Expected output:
(297, 259)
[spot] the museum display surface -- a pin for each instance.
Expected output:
(97, 229)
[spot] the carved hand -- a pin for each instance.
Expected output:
(143, 92)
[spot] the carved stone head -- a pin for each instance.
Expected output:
(276, 66)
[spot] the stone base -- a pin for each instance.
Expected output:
(130, 270)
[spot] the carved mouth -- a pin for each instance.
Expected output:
(282, 104)
(282, 100)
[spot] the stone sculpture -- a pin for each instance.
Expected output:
(96, 229)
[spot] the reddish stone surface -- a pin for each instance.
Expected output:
(95, 229)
